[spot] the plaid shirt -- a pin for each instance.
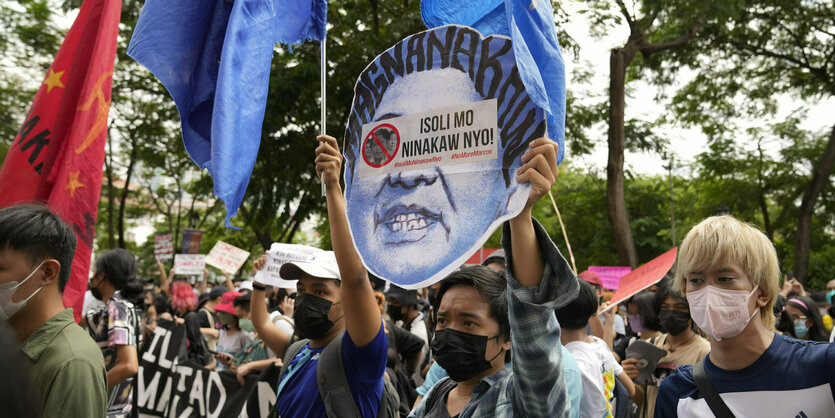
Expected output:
(535, 386)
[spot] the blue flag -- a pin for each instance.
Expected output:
(214, 58)
(530, 26)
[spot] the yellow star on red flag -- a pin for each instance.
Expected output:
(73, 183)
(53, 79)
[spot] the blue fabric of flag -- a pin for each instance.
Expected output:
(214, 58)
(530, 25)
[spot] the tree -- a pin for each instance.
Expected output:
(772, 48)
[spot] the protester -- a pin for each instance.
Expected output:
(594, 358)
(642, 319)
(18, 397)
(231, 339)
(808, 324)
(210, 324)
(495, 261)
(183, 299)
(255, 356)
(36, 253)
(683, 346)
(595, 328)
(320, 316)
(732, 268)
(403, 310)
(482, 315)
(116, 328)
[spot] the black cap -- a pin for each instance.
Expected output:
(217, 291)
(403, 296)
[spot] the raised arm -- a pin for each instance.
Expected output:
(362, 315)
(539, 280)
(273, 336)
(540, 169)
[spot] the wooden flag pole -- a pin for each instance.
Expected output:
(564, 235)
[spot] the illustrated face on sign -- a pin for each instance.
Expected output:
(432, 204)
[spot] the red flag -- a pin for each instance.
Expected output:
(57, 155)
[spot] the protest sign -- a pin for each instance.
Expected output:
(438, 126)
(610, 275)
(283, 253)
(191, 240)
(189, 264)
(163, 247)
(169, 385)
(226, 257)
(644, 276)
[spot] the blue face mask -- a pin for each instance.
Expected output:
(800, 329)
(830, 297)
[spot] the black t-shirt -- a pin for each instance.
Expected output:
(204, 315)
(436, 404)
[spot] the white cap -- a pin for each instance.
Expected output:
(322, 266)
(245, 285)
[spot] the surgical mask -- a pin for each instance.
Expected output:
(94, 290)
(396, 313)
(246, 325)
(720, 313)
(8, 308)
(800, 329)
(310, 315)
(674, 322)
(461, 354)
(636, 323)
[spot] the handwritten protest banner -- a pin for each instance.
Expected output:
(437, 129)
(163, 247)
(227, 257)
(644, 276)
(610, 275)
(189, 264)
(284, 253)
(171, 385)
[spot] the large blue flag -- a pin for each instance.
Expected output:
(214, 58)
(530, 25)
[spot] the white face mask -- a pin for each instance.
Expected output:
(9, 308)
(720, 313)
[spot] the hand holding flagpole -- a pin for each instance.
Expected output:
(323, 69)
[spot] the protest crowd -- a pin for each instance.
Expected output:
(711, 328)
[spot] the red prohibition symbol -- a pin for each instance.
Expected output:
(380, 146)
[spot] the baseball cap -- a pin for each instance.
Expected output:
(217, 291)
(322, 266)
(227, 303)
(403, 296)
(245, 285)
(591, 277)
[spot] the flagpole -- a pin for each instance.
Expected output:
(323, 70)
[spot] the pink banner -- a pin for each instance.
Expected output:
(610, 275)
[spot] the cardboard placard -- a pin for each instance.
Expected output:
(227, 257)
(189, 264)
(163, 247)
(280, 254)
(643, 277)
(610, 275)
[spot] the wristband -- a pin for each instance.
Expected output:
(258, 286)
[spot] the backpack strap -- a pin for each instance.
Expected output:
(289, 354)
(714, 401)
(332, 382)
(437, 393)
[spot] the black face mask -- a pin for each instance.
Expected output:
(461, 354)
(94, 290)
(311, 316)
(396, 313)
(674, 322)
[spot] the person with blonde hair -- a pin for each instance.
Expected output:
(729, 273)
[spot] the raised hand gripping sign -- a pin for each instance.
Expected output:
(437, 129)
(280, 254)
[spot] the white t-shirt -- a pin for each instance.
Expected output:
(598, 368)
(283, 322)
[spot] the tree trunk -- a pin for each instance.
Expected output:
(111, 244)
(820, 177)
(622, 233)
(124, 196)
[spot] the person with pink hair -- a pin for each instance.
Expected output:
(183, 299)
